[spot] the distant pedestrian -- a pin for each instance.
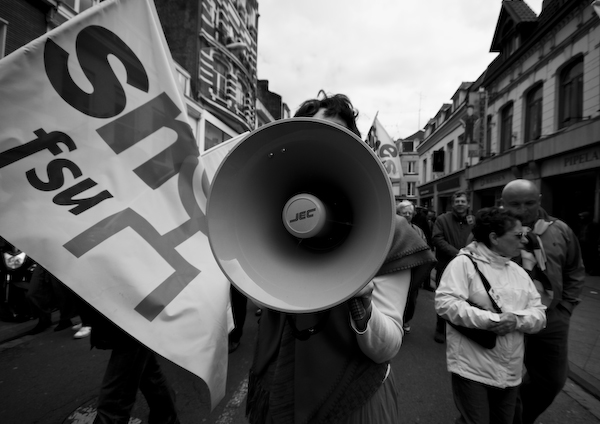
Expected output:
(588, 234)
(407, 210)
(450, 234)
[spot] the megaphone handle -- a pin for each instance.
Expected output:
(357, 309)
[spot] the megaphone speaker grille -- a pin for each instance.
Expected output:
(293, 166)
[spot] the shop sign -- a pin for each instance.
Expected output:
(425, 191)
(492, 180)
(572, 162)
(450, 184)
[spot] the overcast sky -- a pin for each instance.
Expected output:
(399, 57)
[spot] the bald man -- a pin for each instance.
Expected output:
(552, 258)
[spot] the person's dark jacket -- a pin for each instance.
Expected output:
(450, 234)
(105, 334)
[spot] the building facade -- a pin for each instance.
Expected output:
(543, 108)
(22, 21)
(215, 43)
(450, 146)
(269, 106)
(409, 161)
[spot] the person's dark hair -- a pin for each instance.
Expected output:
(492, 220)
(459, 194)
(337, 105)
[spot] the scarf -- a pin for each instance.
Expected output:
(533, 260)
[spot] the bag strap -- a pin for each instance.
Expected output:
(486, 284)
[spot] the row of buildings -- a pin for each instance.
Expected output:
(214, 45)
(534, 113)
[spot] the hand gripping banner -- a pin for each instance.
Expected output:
(101, 182)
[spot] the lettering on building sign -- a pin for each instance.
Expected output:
(493, 179)
(581, 158)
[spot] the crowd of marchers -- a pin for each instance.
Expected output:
(506, 281)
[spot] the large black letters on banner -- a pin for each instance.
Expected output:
(94, 44)
(133, 127)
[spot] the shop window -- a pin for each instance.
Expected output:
(533, 113)
(506, 123)
(571, 94)
(213, 136)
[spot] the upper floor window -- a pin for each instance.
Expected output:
(183, 81)
(424, 170)
(510, 39)
(450, 149)
(411, 164)
(220, 79)
(410, 188)
(408, 146)
(570, 108)
(3, 29)
(239, 94)
(533, 113)
(80, 5)
(488, 135)
(506, 123)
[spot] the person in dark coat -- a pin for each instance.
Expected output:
(451, 232)
(131, 366)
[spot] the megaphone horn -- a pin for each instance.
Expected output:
(300, 215)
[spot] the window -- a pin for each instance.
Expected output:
(450, 150)
(410, 188)
(80, 5)
(3, 29)
(506, 118)
(213, 136)
(533, 114)
(408, 146)
(424, 170)
(571, 94)
(488, 135)
(220, 79)
(184, 83)
(239, 94)
(411, 167)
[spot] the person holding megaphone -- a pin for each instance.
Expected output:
(333, 366)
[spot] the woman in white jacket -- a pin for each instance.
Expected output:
(485, 381)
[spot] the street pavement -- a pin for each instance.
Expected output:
(51, 378)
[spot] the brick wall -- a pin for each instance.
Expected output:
(26, 21)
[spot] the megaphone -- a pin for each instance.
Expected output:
(300, 215)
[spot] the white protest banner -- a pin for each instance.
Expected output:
(386, 149)
(101, 182)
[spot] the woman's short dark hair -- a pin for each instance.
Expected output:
(337, 105)
(492, 220)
